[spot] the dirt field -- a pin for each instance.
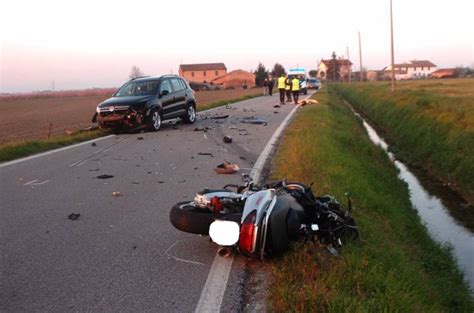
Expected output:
(30, 117)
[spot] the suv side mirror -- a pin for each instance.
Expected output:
(164, 93)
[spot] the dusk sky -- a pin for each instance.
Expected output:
(85, 44)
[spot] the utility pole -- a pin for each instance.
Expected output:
(391, 41)
(360, 59)
(349, 78)
(52, 85)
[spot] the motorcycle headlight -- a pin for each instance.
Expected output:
(224, 233)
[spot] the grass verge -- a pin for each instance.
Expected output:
(396, 266)
(15, 150)
(428, 124)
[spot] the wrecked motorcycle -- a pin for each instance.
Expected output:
(262, 220)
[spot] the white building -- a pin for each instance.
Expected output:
(413, 70)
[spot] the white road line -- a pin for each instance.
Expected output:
(52, 151)
(213, 292)
(215, 286)
(30, 182)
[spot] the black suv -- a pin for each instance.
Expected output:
(144, 102)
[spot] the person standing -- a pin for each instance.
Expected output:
(288, 89)
(271, 83)
(295, 88)
(281, 88)
(265, 87)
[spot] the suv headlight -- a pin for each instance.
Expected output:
(97, 109)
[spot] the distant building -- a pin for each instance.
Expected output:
(334, 69)
(413, 70)
(202, 73)
(445, 73)
(236, 79)
(375, 75)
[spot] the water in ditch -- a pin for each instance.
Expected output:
(445, 214)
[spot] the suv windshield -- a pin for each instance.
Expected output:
(144, 88)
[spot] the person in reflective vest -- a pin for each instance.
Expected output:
(281, 88)
(295, 88)
(288, 89)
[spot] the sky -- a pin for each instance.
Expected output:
(87, 44)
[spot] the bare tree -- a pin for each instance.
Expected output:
(135, 72)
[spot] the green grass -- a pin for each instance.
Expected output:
(15, 150)
(396, 267)
(226, 102)
(19, 149)
(429, 124)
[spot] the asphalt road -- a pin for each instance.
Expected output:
(122, 254)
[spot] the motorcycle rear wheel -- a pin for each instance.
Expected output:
(190, 219)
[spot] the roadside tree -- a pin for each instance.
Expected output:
(278, 69)
(260, 74)
(313, 73)
(135, 72)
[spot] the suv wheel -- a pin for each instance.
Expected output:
(190, 116)
(154, 122)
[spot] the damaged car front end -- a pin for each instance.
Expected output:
(120, 116)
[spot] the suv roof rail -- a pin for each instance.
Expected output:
(139, 77)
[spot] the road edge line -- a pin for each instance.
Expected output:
(34, 156)
(216, 283)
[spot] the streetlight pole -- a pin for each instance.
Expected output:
(360, 59)
(391, 40)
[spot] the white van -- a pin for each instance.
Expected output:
(301, 74)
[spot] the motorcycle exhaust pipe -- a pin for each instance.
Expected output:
(224, 252)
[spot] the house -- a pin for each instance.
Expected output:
(202, 73)
(445, 73)
(413, 70)
(334, 69)
(235, 79)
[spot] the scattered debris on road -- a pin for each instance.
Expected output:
(227, 139)
(202, 129)
(276, 112)
(116, 194)
(74, 216)
(219, 117)
(105, 176)
(254, 120)
(227, 168)
(206, 153)
(277, 106)
(93, 144)
(309, 101)
(140, 138)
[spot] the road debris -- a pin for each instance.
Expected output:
(182, 181)
(206, 153)
(74, 216)
(116, 194)
(277, 106)
(227, 139)
(276, 112)
(139, 138)
(218, 117)
(93, 144)
(254, 120)
(105, 176)
(202, 129)
(94, 169)
(309, 101)
(227, 168)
